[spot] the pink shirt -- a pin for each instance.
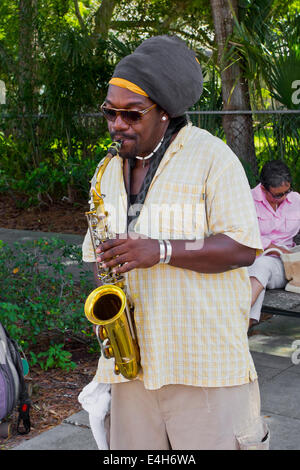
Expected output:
(278, 227)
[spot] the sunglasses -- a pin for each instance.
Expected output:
(127, 115)
(280, 195)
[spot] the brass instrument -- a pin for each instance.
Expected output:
(108, 306)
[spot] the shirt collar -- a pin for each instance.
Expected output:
(173, 148)
(179, 140)
(258, 194)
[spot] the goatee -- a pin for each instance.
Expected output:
(130, 155)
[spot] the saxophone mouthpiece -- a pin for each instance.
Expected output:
(114, 147)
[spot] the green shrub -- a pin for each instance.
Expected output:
(62, 173)
(41, 300)
(55, 357)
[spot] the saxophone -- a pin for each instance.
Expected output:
(108, 306)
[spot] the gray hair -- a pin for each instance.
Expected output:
(274, 174)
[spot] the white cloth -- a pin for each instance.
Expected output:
(95, 398)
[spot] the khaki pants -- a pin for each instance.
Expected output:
(187, 418)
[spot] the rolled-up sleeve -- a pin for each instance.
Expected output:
(230, 206)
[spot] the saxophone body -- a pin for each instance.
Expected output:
(108, 306)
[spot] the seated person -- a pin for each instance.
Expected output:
(278, 212)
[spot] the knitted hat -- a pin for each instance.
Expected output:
(166, 70)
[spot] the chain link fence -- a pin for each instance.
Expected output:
(276, 134)
(73, 153)
(274, 130)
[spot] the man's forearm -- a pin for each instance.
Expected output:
(215, 254)
(218, 253)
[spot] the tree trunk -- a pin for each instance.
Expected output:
(26, 72)
(25, 56)
(235, 91)
(103, 17)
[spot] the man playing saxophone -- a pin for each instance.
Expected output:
(185, 229)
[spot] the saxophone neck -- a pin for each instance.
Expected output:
(96, 196)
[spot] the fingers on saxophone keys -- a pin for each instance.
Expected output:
(99, 249)
(114, 262)
(106, 245)
(103, 257)
(102, 263)
(110, 253)
(102, 248)
(124, 268)
(108, 261)
(110, 244)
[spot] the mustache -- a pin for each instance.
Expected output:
(118, 136)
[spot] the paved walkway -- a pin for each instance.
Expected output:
(11, 236)
(274, 348)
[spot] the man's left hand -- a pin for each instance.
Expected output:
(127, 252)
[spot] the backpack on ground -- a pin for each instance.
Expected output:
(13, 389)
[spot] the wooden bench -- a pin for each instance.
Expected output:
(281, 302)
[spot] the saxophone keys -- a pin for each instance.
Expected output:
(116, 369)
(109, 352)
(102, 333)
(107, 349)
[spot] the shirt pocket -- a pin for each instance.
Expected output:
(266, 224)
(181, 211)
(292, 224)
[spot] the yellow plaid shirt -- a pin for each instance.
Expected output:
(192, 327)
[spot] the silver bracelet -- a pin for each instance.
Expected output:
(169, 251)
(162, 251)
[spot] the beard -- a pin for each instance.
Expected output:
(127, 155)
(128, 150)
